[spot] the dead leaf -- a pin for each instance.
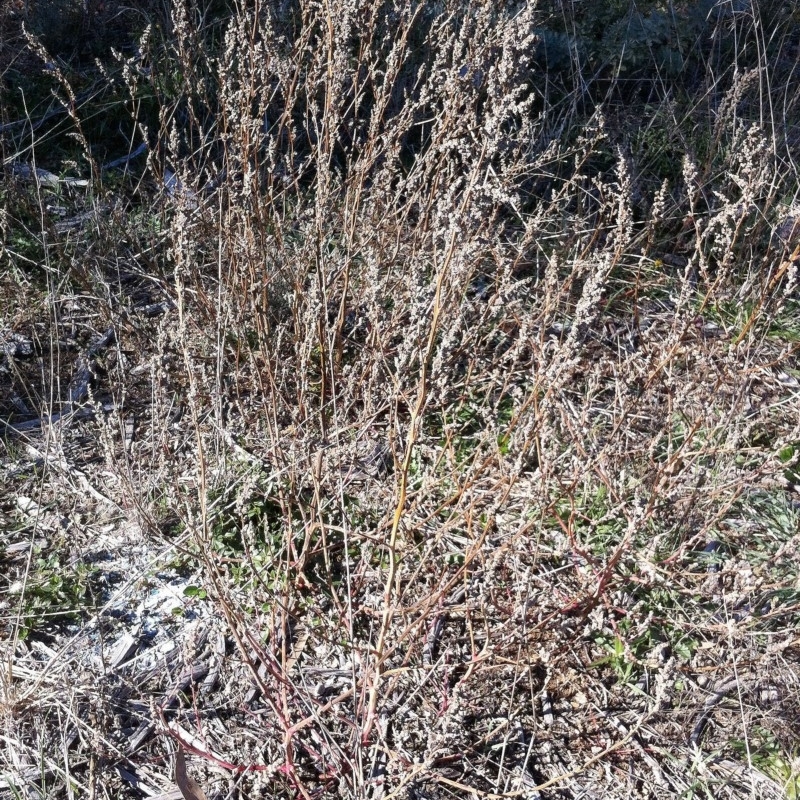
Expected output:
(188, 785)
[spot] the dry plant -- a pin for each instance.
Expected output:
(393, 433)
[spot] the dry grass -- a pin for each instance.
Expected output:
(407, 426)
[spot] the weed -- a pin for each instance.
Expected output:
(454, 370)
(54, 593)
